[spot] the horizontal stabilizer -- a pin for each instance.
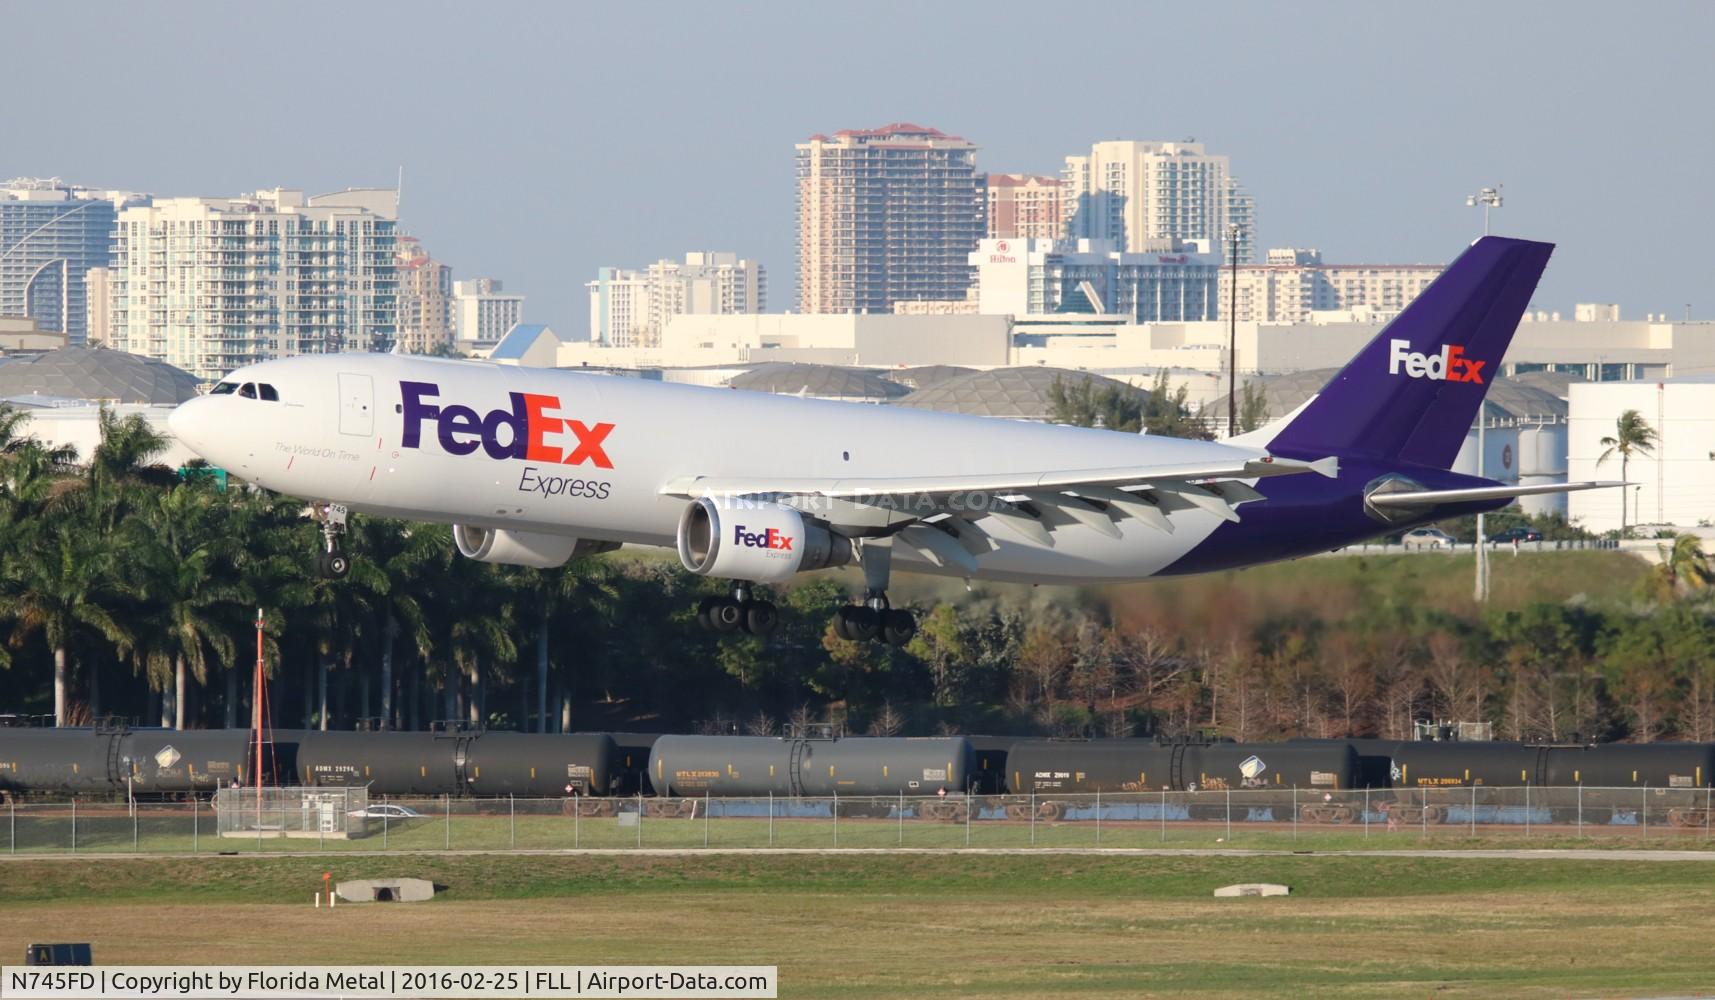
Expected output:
(1432, 498)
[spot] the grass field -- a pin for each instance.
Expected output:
(867, 925)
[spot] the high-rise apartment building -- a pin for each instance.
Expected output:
(483, 310)
(631, 308)
(1025, 207)
(425, 300)
(212, 284)
(51, 234)
(1127, 191)
(1294, 283)
(886, 215)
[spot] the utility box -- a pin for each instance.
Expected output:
(57, 954)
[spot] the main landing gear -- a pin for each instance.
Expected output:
(739, 612)
(874, 618)
(331, 563)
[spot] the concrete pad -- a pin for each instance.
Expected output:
(385, 890)
(1252, 889)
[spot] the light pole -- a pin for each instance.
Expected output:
(1489, 198)
(1233, 334)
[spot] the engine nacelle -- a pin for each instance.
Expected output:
(514, 548)
(760, 542)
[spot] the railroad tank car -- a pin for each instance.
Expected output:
(38, 759)
(1628, 765)
(1078, 768)
(178, 761)
(768, 765)
(389, 763)
(1084, 767)
(1329, 767)
(502, 763)
(1435, 764)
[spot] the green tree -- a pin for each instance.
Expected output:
(1093, 402)
(1684, 569)
(940, 643)
(401, 553)
(1168, 412)
(1253, 408)
(572, 606)
(58, 571)
(1632, 436)
(178, 554)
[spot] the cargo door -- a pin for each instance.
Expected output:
(356, 404)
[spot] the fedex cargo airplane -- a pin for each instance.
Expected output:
(535, 466)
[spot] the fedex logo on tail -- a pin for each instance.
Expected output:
(521, 431)
(773, 538)
(1451, 365)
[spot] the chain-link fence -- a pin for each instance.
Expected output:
(333, 820)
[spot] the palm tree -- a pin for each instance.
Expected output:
(471, 629)
(270, 573)
(403, 554)
(342, 613)
(1632, 436)
(1684, 567)
(567, 599)
(59, 577)
(180, 554)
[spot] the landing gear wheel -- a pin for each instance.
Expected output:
(760, 617)
(898, 626)
(857, 623)
(335, 565)
(721, 614)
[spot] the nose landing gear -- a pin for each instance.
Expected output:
(331, 563)
(738, 612)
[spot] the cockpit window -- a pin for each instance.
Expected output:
(249, 390)
(268, 392)
(224, 389)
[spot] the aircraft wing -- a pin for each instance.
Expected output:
(948, 518)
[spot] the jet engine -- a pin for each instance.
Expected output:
(518, 548)
(761, 542)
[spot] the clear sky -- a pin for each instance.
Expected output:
(542, 140)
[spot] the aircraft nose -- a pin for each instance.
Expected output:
(186, 423)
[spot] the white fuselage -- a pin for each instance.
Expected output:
(342, 431)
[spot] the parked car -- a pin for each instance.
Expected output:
(1428, 538)
(1518, 533)
(385, 810)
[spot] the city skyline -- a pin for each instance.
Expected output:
(1367, 174)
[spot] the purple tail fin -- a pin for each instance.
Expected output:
(1412, 393)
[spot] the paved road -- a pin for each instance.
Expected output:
(1523, 854)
